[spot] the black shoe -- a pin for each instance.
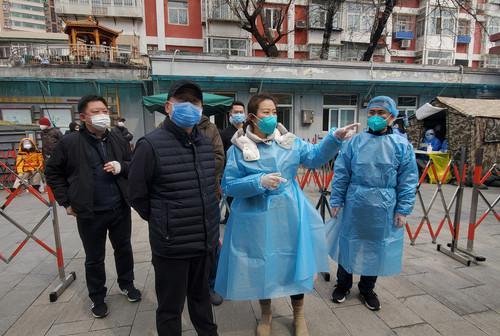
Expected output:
(215, 298)
(132, 293)
(339, 294)
(370, 300)
(99, 310)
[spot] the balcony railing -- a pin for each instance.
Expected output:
(111, 8)
(463, 39)
(403, 35)
(79, 54)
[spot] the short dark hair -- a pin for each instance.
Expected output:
(237, 103)
(254, 102)
(85, 100)
(187, 94)
(122, 119)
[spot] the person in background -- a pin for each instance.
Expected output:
(88, 175)
(431, 139)
(73, 127)
(50, 137)
(173, 187)
(399, 128)
(122, 130)
(237, 117)
(375, 181)
(274, 243)
(29, 163)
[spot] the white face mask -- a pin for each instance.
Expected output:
(43, 127)
(121, 124)
(101, 122)
(27, 145)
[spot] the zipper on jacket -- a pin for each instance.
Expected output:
(202, 194)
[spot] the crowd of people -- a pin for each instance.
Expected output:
(275, 241)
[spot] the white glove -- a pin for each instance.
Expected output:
(399, 220)
(113, 167)
(346, 132)
(272, 181)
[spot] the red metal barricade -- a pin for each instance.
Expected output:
(50, 213)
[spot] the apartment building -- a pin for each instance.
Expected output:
(125, 16)
(28, 15)
(419, 31)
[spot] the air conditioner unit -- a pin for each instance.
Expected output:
(301, 24)
(405, 44)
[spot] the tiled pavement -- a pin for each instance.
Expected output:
(434, 296)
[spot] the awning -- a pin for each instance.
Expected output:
(427, 110)
(212, 103)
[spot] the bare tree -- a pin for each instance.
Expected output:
(331, 7)
(378, 28)
(252, 16)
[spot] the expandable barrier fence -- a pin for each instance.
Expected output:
(49, 214)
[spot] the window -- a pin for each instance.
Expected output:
(353, 51)
(334, 53)
(360, 17)
(407, 105)
(178, 12)
(439, 57)
(284, 109)
(233, 47)
(420, 25)
(272, 17)
(402, 23)
(317, 15)
(221, 10)
(17, 116)
(493, 25)
(463, 27)
(152, 48)
(338, 110)
(442, 22)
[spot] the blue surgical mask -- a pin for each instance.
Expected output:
(186, 115)
(267, 125)
(237, 118)
(377, 123)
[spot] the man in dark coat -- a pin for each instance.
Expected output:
(122, 130)
(237, 118)
(88, 175)
(172, 185)
(50, 137)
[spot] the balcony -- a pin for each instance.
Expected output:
(100, 8)
(463, 39)
(219, 10)
(403, 35)
(70, 55)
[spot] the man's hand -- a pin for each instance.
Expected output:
(70, 212)
(335, 212)
(399, 220)
(113, 167)
(346, 132)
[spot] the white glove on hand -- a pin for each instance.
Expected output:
(113, 167)
(399, 220)
(346, 132)
(272, 181)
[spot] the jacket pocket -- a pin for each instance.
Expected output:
(164, 222)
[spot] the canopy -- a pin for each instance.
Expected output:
(427, 110)
(212, 103)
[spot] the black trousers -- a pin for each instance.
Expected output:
(93, 235)
(174, 280)
(344, 281)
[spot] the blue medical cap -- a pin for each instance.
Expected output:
(383, 102)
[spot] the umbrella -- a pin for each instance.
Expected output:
(212, 103)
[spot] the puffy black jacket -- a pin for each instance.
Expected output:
(172, 185)
(70, 176)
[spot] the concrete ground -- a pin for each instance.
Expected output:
(434, 295)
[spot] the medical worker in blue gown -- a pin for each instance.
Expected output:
(274, 242)
(373, 190)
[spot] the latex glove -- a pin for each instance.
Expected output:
(399, 220)
(346, 132)
(335, 212)
(272, 181)
(113, 167)
(70, 212)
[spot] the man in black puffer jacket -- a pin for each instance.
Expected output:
(172, 185)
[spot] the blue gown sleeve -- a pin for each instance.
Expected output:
(341, 176)
(235, 183)
(315, 155)
(407, 182)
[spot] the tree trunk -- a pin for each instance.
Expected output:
(379, 29)
(327, 34)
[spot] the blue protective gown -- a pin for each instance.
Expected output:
(434, 142)
(274, 241)
(375, 177)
